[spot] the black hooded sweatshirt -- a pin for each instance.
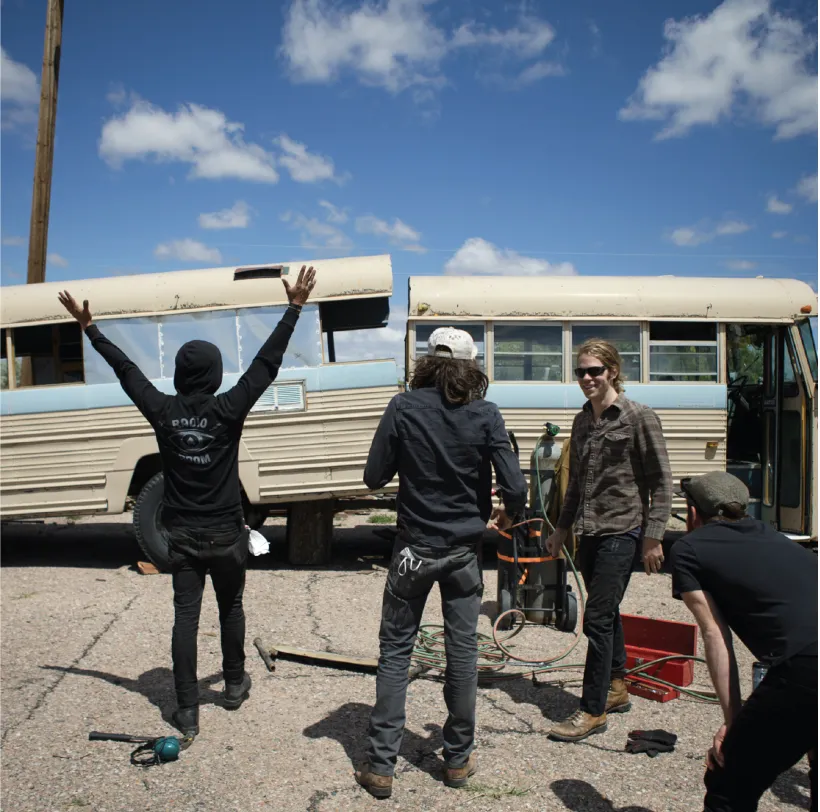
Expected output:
(197, 431)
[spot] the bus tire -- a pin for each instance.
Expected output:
(151, 535)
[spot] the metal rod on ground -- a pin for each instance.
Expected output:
(347, 662)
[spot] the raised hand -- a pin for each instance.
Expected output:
(70, 304)
(298, 294)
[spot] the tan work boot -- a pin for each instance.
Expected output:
(617, 697)
(379, 786)
(578, 726)
(456, 777)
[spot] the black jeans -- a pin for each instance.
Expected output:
(606, 565)
(194, 553)
(776, 727)
(413, 571)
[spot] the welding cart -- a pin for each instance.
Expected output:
(529, 579)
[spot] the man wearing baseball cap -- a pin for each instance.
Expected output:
(737, 574)
(440, 437)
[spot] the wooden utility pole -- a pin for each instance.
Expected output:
(44, 158)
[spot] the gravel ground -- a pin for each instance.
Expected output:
(85, 646)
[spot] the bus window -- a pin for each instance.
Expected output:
(48, 354)
(683, 351)
(138, 338)
(216, 326)
(423, 332)
(523, 352)
(625, 337)
(305, 345)
(807, 334)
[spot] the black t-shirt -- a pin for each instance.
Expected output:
(764, 585)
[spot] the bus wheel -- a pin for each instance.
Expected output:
(151, 535)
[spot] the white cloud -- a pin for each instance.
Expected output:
(778, 235)
(691, 236)
(57, 260)
(238, 216)
(19, 93)
(334, 214)
(729, 227)
(741, 265)
(528, 39)
(538, 71)
(744, 56)
(317, 234)
(777, 206)
(193, 134)
(807, 188)
(303, 166)
(16, 241)
(477, 256)
(399, 233)
(394, 44)
(188, 250)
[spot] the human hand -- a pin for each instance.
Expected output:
(500, 519)
(652, 555)
(556, 542)
(298, 294)
(715, 755)
(70, 304)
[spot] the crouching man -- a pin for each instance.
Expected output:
(736, 574)
(441, 437)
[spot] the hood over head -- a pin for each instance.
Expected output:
(198, 368)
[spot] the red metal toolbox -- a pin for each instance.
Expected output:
(648, 638)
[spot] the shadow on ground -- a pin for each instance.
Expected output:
(156, 685)
(580, 796)
(792, 788)
(348, 725)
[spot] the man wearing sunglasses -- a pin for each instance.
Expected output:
(737, 574)
(619, 495)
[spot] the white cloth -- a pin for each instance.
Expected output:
(257, 543)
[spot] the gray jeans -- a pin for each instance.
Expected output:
(413, 571)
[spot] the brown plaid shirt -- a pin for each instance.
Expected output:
(620, 478)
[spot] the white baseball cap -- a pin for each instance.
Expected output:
(447, 342)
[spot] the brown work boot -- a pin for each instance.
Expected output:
(457, 777)
(617, 697)
(379, 786)
(578, 726)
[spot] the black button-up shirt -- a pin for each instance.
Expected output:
(442, 454)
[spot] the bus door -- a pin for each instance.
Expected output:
(788, 406)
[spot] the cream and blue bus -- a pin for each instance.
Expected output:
(71, 442)
(729, 365)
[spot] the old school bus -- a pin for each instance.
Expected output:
(729, 365)
(72, 443)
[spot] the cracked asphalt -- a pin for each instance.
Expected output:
(86, 646)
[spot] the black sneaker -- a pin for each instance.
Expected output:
(236, 693)
(186, 720)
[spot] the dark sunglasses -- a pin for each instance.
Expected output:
(594, 372)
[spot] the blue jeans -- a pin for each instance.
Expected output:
(194, 553)
(413, 571)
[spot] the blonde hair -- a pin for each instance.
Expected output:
(609, 356)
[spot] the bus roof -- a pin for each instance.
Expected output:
(610, 297)
(190, 291)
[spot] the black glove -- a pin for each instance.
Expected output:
(650, 748)
(650, 742)
(660, 736)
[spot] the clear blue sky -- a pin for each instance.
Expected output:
(562, 137)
